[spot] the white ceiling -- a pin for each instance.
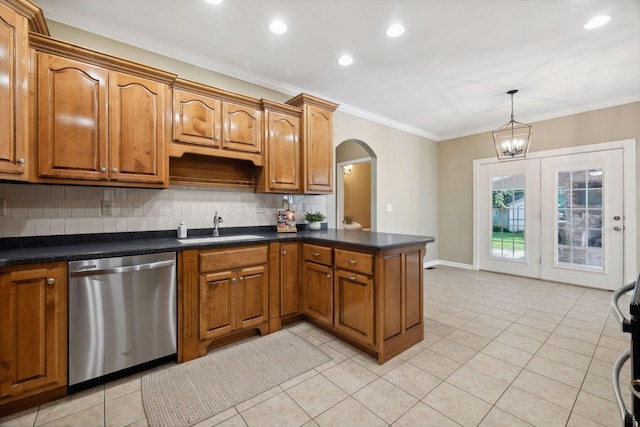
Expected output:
(447, 76)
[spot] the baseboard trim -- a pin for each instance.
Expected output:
(432, 264)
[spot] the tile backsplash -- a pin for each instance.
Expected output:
(42, 210)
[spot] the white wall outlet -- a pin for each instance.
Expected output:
(3, 207)
(106, 208)
(389, 207)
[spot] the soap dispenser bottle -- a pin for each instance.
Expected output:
(182, 230)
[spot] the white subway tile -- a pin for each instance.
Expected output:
(28, 192)
(64, 209)
(11, 192)
(50, 209)
(43, 192)
(84, 193)
(70, 193)
(19, 209)
(109, 224)
(34, 209)
(56, 193)
(10, 227)
(97, 225)
(71, 226)
(27, 227)
(43, 227)
(77, 210)
(57, 226)
(84, 225)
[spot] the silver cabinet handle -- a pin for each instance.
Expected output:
(233, 280)
(114, 170)
(352, 278)
(21, 161)
(352, 261)
(315, 254)
(51, 281)
(273, 181)
(284, 252)
(242, 279)
(103, 169)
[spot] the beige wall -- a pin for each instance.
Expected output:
(406, 177)
(455, 159)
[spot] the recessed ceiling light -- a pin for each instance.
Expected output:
(345, 60)
(596, 22)
(278, 27)
(214, 1)
(395, 30)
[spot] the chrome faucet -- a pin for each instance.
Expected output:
(216, 220)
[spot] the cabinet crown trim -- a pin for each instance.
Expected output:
(306, 99)
(53, 46)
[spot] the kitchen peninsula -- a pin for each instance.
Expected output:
(363, 287)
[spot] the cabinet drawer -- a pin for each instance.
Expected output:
(222, 259)
(315, 253)
(354, 261)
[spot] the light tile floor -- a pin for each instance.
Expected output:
(498, 351)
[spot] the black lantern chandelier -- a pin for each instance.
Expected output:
(512, 140)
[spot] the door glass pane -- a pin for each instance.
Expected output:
(579, 219)
(508, 218)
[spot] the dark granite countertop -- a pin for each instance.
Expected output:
(31, 250)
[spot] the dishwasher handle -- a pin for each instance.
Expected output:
(123, 269)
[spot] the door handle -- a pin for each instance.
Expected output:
(617, 228)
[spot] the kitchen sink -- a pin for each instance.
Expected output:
(214, 239)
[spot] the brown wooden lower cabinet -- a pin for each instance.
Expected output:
(371, 299)
(33, 334)
(228, 289)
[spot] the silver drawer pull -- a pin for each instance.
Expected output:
(328, 276)
(315, 254)
(352, 261)
(352, 278)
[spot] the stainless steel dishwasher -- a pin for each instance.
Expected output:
(122, 313)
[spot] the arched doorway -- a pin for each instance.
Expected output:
(356, 183)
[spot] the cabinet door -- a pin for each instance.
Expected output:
(252, 296)
(217, 304)
(283, 151)
(318, 292)
(353, 298)
(33, 329)
(196, 119)
(242, 128)
(318, 152)
(72, 119)
(137, 131)
(14, 69)
(289, 279)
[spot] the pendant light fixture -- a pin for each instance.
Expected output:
(512, 140)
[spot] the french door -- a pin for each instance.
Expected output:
(557, 218)
(582, 219)
(509, 225)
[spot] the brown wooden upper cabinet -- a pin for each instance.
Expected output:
(16, 18)
(317, 143)
(214, 122)
(281, 173)
(101, 120)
